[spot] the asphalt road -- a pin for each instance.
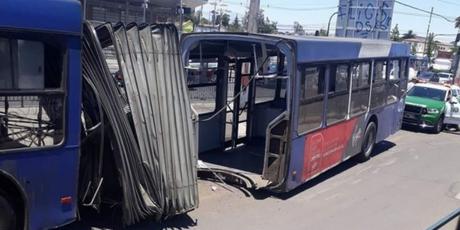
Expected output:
(412, 181)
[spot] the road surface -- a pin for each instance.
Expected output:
(412, 181)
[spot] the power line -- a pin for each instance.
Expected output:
(425, 11)
(268, 6)
(449, 2)
(300, 9)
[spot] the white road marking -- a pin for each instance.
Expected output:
(457, 196)
(332, 197)
(356, 181)
(388, 163)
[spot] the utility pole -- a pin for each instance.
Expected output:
(428, 33)
(253, 14)
(145, 5)
(181, 21)
(214, 14)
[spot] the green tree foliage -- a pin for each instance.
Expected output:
(264, 24)
(235, 26)
(431, 46)
(225, 20)
(395, 36)
(408, 35)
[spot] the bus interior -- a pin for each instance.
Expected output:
(238, 89)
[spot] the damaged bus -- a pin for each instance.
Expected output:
(285, 109)
(91, 118)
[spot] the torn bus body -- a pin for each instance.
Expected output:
(281, 110)
(238, 89)
(135, 106)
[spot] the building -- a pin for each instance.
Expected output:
(417, 44)
(139, 11)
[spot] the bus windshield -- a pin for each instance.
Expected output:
(426, 92)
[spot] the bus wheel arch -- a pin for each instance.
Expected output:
(14, 196)
(369, 139)
(375, 120)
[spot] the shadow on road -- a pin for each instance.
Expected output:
(111, 221)
(379, 149)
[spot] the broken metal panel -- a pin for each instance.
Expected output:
(136, 205)
(156, 154)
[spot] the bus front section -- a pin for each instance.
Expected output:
(39, 113)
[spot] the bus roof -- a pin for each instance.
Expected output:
(317, 49)
(60, 16)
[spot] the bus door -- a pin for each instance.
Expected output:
(397, 86)
(239, 101)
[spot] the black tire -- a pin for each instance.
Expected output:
(439, 126)
(368, 142)
(8, 215)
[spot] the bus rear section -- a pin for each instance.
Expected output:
(350, 95)
(239, 90)
(313, 104)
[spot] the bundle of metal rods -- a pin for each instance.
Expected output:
(155, 149)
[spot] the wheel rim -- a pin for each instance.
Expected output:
(440, 124)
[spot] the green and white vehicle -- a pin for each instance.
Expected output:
(431, 106)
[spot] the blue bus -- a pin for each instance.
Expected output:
(281, 110)
(40, 78)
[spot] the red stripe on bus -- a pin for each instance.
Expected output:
(326, 147)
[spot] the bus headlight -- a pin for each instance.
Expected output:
(433, 111)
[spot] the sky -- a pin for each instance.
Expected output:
(285, 12)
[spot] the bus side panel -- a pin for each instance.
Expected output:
(326, 148)
(317, 152)
(386, 122)
(45, 182)
(51, 174)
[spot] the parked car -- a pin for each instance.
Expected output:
(445, 77)
(455, 91)
(425, 76)
(431, 106)
(442, 64)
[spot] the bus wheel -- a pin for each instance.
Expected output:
(7, 213)
(439, 125)
(368, 142)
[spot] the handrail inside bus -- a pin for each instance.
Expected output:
(253, 77)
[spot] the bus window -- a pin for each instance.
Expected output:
(202, 84)
(29, 116)
(404, 77)
(394, 80)
(394, 70)
(337, 105)
(312, 85)
(360, 92)
(379, 85)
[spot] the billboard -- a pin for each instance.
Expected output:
(364, 18)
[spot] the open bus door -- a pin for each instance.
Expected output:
(275, 151)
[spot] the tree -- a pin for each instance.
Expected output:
(408, 35)
(204, 21)
(431, 46)
(457, 23)
(413, 49)
(235, 26)
(395, 36)
(264, 24)
(225, 20)
(298, 29)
